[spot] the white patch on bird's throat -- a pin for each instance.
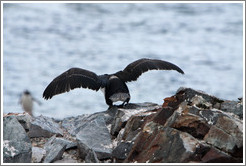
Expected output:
(113, 77)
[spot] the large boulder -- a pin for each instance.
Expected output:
(55, 147)
(95, 135)
(25, 120)
(43, 126)
(16, 144)
(235, 107)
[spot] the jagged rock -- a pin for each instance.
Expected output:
(187, 120)
(92, 134)
(198, 98)
(38, 154)
(91, 157)
(16, 144)
(25, 120)
(16, 152)
(73, 124)
(122, 150)
(62, 141)
(43, 126)
(191, 124)
(162, 144)
(96, 136)
(55, 148)
(123, 115)
(132, 128)
(86, 153)
(70, 156)
(54, 151)
(217, 156)
(227, 135)
(233, 107)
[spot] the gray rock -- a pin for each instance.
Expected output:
(109, 114)
(122, 150)
(91, 157)
(38, 154)
(211, 116)
(233, 107)
(55, 148)
(95, 135)
(73, 124)
(226, 134)
(25, 120)
(62, 141)
(16, 144)
(118, 123)
(66, 161)
(16, 152)
(13, 130)
(86, 153)
(44, 127)
(54, 152)
(133, 127)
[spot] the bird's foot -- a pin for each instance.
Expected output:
(120, 106)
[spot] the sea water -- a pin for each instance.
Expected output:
(41, 41)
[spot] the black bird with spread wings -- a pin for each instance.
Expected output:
(113, 85)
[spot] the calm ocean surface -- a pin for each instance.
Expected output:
(41, 41)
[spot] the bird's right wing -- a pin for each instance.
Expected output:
(71, 79)
(137, 68)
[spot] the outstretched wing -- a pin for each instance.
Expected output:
(71, 79)
(135, 69)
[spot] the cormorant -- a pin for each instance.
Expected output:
(113, 85)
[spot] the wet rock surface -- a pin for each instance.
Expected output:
(190, 126)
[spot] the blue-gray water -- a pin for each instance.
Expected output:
(40, 41)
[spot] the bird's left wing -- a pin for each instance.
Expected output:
(71, 79)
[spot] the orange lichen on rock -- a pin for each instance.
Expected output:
(169, 99)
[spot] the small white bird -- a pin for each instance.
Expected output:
(26, 101)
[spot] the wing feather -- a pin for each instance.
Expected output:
(71, 79)
(136, 68)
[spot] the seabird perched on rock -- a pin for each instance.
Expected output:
(113, 85)
(26, 101)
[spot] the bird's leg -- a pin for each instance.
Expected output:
(110, 106)
(126, 101)
(123, 104)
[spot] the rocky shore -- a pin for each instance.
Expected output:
(190, 126)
